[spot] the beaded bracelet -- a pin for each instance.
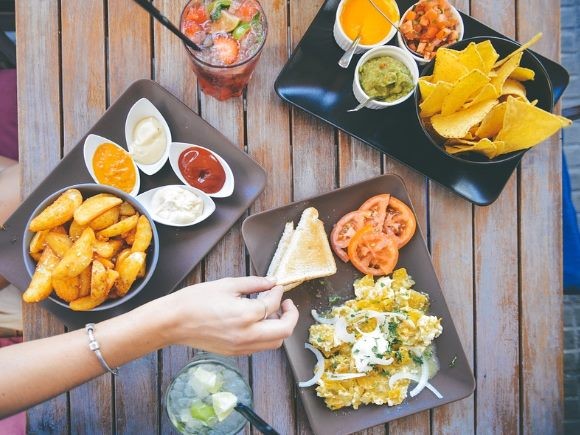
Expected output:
(94, 346)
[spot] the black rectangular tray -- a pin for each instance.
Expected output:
(181, 249)
(312, 81)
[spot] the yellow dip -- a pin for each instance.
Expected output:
(360, 16)
(149, 141)
(113, 166)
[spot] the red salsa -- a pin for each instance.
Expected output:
(202, 170)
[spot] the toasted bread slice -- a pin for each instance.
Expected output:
(281, 249)
(308, 255)
(292, 285)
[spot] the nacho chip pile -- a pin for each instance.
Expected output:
(479, 104)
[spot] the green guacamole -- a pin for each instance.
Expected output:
(385, 78)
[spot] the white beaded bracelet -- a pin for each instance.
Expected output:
(94, 346)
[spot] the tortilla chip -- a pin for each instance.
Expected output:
(522, 74)
(525, 125)
(448, 68)
(513, 87)
(490, 149)
(470, 57)
(465, 87)
(493, 122)
(425, 87)
(520, 49)
(432, 104)
(505, 70)
(458, 124)
(488, 55)
(488, 92)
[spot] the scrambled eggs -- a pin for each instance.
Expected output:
(374, 345)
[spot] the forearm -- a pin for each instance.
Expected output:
(38, 370)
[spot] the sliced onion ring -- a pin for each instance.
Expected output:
(398, 376)
(323, 320)
(381, 361)
(344, 376)
(318, 368)
(341, 334)
(422, 380)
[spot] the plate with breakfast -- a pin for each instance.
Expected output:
(375, 340)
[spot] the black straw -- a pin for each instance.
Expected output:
(148, 6)
(255, 419)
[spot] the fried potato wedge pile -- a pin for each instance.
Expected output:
(87, 251)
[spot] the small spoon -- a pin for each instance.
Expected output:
(392, 24)
(344, 61)
(361, 105)
(255, 419)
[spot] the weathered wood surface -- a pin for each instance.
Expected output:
(499, 266)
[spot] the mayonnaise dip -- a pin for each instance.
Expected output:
(176, 205)
(149, 141)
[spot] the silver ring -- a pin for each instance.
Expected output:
(265, 309)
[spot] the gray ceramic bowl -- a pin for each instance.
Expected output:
(88, 190)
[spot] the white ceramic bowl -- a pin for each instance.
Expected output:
(91, 144)
(394, 52)
(344, 41)
(175, 150)
(146, 199)
(420, 60)
(140, 110)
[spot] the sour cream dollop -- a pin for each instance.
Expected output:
(149, 141)
(177, 205)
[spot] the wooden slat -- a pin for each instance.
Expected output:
(84, 100)
(172, 67)
(313, 150)
(181, 82)
(541, 252)
(129, 37)
(451, 235)
(496, 284)
(268, 141)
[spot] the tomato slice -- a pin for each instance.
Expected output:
(373, 252)
(377, 205)
(344, 229)
(400, 222)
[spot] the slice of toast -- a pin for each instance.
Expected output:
(281, 249)
(308, 255)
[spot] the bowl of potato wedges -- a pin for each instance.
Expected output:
(89, 247)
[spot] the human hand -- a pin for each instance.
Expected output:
(217, 317)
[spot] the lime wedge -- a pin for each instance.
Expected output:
(223, 404)
(226, 23)
(202, 412)
(204, 382)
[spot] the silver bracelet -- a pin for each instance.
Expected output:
(94, 346)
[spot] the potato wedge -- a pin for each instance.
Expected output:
(105, 262)
(120, 227)
(107, 249)
(98, 280)
(128, 271)
(93, 207)
(59, 243)
(36, 256)
(38, 242)
(121, 257)
(142, 271)
(77, 257)
(143, 235)
(66, 288)
(126, 209)
(75, 230)
(86, 303)
(85, 282)
(129, 236)
(40, 286)
(58, 212)
(60, 229)
(108, 218)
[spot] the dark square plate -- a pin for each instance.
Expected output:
(261, 233)
(181, 249)
(312, 81)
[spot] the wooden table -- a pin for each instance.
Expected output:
(500, 266)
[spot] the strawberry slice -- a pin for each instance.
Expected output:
(197, 14)
(226, 48)
(247, 10)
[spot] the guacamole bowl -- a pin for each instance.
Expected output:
(403, 61)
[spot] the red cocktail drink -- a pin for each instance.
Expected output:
(231, 34)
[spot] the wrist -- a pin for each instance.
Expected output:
(161, 317)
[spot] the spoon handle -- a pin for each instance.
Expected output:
(255, 419)
(344, 61)
(361, 105)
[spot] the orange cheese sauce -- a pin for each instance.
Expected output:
(114, 167)
(360, 16)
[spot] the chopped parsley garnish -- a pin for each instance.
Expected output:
(427, 354)
(417, 359)
(333, 299)
(393, 328)
(453, 361)
(398, 356)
